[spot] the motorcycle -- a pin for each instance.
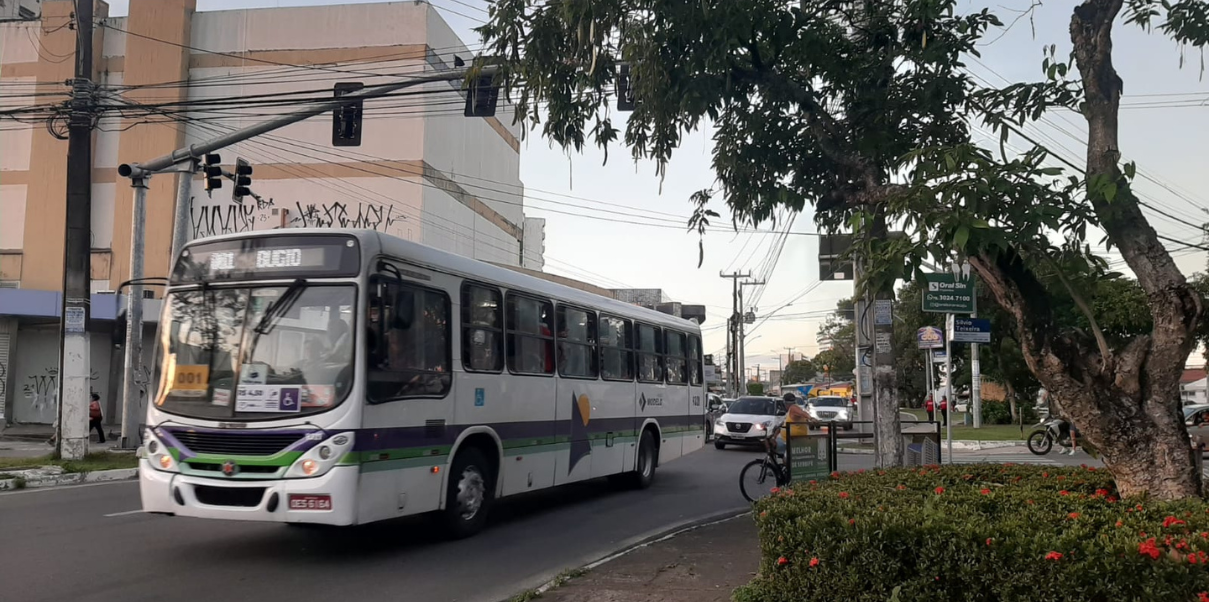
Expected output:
(1048, 431)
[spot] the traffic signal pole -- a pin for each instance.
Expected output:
(185, 161)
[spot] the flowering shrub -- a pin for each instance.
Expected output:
(1001, 533)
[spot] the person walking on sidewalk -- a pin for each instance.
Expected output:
(95, 417)
(944, 410)
(930, 406)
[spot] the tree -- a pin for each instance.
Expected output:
(798, 371)
(860, 108)
(755, 389)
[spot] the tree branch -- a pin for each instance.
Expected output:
(1105, 352)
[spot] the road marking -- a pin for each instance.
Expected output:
(126, 513)
(65, 487)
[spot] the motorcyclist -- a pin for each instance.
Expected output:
(1066, 429)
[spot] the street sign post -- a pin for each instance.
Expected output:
(948, 294)
(971, 330)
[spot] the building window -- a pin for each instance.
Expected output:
(576, 342)
(676, 366)
(616, 342)
(530, 335)
(695, 371)
(650, 354)
(482, 328)
(409, 334)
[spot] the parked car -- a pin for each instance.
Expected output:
(743, 421)
(1196, 418)
(717, 407)
(831, 408)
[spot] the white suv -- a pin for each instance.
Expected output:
(830, 408)
(743, 423)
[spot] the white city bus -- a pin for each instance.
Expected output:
(346, 376)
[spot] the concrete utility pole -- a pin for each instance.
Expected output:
(71, 438)
(742, 327)
(131, 399)
(185, 160)
(735, 338)
(975, 383)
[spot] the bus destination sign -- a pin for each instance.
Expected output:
(269, 257)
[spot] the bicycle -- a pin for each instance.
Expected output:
(757, 472)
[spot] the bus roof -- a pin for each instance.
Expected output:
(374, 242)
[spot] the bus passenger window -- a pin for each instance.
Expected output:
(576, 342)
(694, 360)
(616, 342)
(675, 358)
(482, 329)
(413, 359)
(530, 335)
(650, 354)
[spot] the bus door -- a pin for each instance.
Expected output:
(652, 399)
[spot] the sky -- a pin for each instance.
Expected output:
(1165, 117)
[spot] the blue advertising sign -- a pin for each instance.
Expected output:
(971, 330)
(930, 337)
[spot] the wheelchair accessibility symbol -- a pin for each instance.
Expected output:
(290, 400)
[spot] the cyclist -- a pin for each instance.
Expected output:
(797, 422)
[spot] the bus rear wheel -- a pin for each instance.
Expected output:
(469, 494)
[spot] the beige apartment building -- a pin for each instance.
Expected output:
(423, 171)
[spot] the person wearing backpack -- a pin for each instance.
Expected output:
(95, 417)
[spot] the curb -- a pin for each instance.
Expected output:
(78, 478)
(643, 541)
(962, 445)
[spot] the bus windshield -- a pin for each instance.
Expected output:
(256, 352)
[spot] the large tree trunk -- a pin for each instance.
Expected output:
(1125, 406)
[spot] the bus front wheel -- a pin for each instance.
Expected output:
(470, 492)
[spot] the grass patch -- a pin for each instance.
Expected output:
(91, 463)
(988, 432)
(559, 581)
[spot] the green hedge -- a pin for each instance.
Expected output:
(993, 533)
(1000, 412)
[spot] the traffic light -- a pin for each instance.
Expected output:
(346, 119)
(481, 97)
(625, 90)
(213, 172)
(243, 180)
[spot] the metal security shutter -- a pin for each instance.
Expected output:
(5, 368)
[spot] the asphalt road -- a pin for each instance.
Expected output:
(90, 543)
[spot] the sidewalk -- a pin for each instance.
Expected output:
(702, 565)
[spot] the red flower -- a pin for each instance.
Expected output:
(1008, 464)
(835, 475)
(763, 514)
(988, 541)
(1073, 515)
(1204, 535)
(1202, 597)
(1045, 475)
(1029, 502)
(813, 482)
(1112, 500)
(940, 490)
(1192, 558)
(1148, 548)
(843, 495)
(1101, 492)
(852, 521)
(1119, 524)
(1138, 507)
(1171, 521)
(985, 492)
(861, 471)
(814, 562)
(1064, 492)
(902, 487)
(776, 490)
(1053, 556)
(782, 561)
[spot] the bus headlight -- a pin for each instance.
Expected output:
(158, 454)
(321, 458)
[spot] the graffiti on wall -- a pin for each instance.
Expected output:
(43, 389)
(339, 215)
(211, 220)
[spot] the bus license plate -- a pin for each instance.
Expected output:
(310, 502)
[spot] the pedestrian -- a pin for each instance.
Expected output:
(95, 417)
(930, 406)
(944, 410)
